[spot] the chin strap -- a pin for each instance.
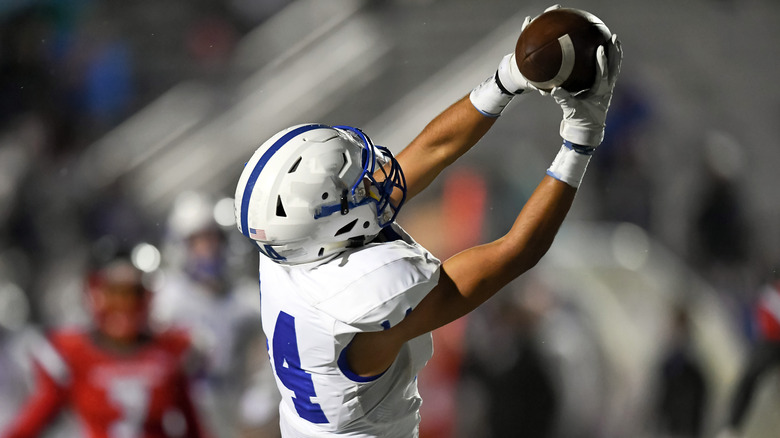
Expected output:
(344, 202)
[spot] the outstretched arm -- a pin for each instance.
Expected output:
(37, 413)
(451, 134)
(471, 277)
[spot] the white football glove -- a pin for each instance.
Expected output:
(492, 95)
(508, 75)
(509, 78)
(585, 112)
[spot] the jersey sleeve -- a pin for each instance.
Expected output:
(42, 406)
(379, 291)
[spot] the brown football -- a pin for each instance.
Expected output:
(558, 49)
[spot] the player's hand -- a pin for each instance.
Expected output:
(585, 112)
(509, 77)
(508, 73)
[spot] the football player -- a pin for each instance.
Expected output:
(197, 294)
(118, 377)
(348, 298)
(763, 359)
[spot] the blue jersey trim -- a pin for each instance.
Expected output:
(349, 374)
(250, 184)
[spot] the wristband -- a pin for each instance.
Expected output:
(490, 98)
(570, 164)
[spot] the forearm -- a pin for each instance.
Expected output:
(471, 277)
(461, 126)
(535, 228)
(447, 137)
(479, 273)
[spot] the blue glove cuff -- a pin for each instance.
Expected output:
(578, 148)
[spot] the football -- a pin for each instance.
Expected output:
(558, 49)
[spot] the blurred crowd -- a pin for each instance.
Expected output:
(71, 70)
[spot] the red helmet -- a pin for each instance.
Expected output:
(119, 299)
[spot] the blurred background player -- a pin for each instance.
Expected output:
(199, 292)
(758, 389)
(682, 381)
(17, 336)
(542, 347)
(120, 378)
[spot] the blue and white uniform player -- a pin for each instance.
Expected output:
(348, 298)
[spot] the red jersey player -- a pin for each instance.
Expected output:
(119, 378)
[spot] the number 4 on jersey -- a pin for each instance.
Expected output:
(287, 363)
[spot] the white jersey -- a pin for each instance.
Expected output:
(221, 324)
(216, 320)
(310, 314)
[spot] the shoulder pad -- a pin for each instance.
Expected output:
(50, 353)
(375, 286)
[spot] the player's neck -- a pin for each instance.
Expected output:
(120, 346)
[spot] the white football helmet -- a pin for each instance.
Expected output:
(312, 190)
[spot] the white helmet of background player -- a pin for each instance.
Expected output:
(312, 190)
(195, 241)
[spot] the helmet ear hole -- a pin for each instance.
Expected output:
(346, 228)
(280, 207)
(294, 167)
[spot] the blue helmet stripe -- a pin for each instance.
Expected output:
(250, 184)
